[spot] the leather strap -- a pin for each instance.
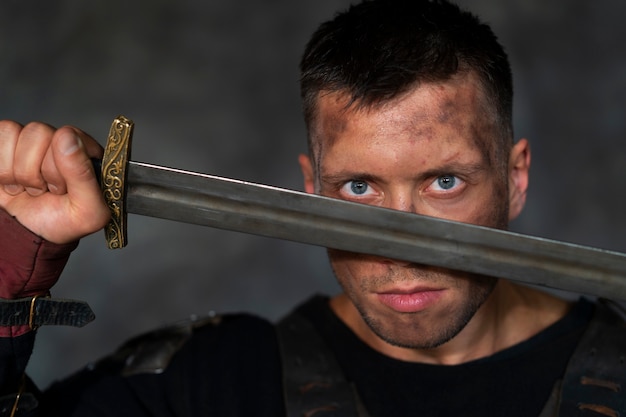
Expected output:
(40, 311)
(595, 380)
(313, 382)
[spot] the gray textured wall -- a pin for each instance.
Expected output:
(212, 87)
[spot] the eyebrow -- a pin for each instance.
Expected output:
(456, 168)
(346, 175)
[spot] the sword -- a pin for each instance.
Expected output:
(168, 193)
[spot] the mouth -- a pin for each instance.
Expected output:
(410, 300)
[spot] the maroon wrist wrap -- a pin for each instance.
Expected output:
(29, 265)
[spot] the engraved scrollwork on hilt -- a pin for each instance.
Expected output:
(113, 179)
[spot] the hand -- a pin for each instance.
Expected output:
(47, 180)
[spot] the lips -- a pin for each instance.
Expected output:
(410, 301)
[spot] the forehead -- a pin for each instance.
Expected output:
(455, 111)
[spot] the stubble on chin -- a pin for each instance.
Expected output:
(421, 330)
(425, 331)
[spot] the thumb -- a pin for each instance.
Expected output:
(73, 163)
(76, 169)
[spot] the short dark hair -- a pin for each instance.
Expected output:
(379, 49)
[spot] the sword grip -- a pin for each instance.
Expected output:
(97, 167)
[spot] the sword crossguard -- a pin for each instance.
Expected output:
(113, 179)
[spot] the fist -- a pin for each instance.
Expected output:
(47, 180)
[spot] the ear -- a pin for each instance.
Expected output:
(307, 173)
(519, 166)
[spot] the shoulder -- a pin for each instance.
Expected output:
(610, 314)
(204, 364)
(154, 351)
(605, 333)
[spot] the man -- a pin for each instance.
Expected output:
(408, 106)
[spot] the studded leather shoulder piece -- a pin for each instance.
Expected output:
(152, 352)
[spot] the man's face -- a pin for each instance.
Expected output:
(428, 152)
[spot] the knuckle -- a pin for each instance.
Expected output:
(36, 130)
(9, 129)
(32, 144)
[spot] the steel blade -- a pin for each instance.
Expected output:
(269, 211)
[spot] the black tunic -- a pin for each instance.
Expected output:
(233, 369)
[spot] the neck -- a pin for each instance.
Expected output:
(511, 315)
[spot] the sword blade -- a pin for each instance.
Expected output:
(274, 212)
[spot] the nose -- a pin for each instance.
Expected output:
(402, 200)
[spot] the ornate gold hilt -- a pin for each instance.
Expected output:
(113, 179)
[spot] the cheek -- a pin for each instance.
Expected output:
(346, 265)
(356, 271)
(498, 215)
(489, 207)
(345, 270)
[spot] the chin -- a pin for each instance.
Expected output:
(416, 335)
(430, 327)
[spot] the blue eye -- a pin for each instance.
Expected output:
(446, 182)
(357, 190)
(358, 187)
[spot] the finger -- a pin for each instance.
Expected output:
(13, 189)
(9, 132)
(51, 175)
(32, 145)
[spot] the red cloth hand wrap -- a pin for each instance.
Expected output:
(29, 265)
